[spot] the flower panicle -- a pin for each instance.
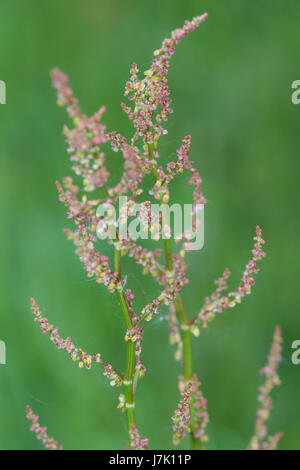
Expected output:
(85, 139)
(65, 96)
(173, 283)
(76, 354)
(41, 432)
(217, 303)
(200, 403)
(95, 264)
(136, 442)
(149, 108)
(148, 259)
(183, 162)
(134, 167)
(166, 297)
(272, 380)
(272, 441)
(181, 416)
(81, 211)
(151, 96)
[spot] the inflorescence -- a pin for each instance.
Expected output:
(88, 140)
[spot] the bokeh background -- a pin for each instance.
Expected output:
(231, 89)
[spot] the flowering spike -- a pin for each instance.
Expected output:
(41, 432)
(181, 417)
(151, 95)
(136, 442)
(85, 139)
(150, 107)
(217, 304)
(65, 94)
(75, 354)
(263, 413)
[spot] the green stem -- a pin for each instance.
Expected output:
(151, 157)
(129, 371)
(128, 385)
(124, 308)
(105, 192)
(117, 263)
(168, 254)
(187, 356)
(130, 354)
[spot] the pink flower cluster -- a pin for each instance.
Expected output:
(85, 139)
(76, 354)
(151, 102)
(173, 282)
(133, 166)
(181, 417)
(150, 99)
(136, 442)
(161, 187)
(163, 178)
(96, 265)
(81, 211)
(41, 432)
(217, 303)
(200, 404)
(263, 412)
(151, 95)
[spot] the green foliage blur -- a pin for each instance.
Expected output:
(231, 90)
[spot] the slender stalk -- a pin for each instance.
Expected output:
(128, 385)
(105, 192)
(117, 263)
(124, 308)
(151, 157)
(130, 353)
(168, 254)
(187, 356)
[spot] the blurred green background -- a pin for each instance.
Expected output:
(231, 90)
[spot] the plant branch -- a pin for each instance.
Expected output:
(130, 353)
(187, 357)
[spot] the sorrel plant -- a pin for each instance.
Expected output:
(148, 108)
